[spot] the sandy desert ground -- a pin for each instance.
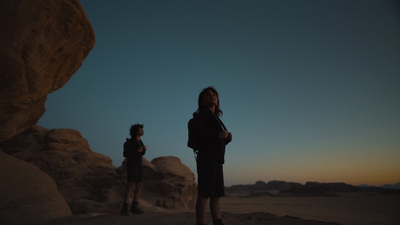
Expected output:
(347, 209)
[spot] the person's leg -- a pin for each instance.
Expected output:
(219, 191)
(215, 208)
(135, 203)
(128, 191)
(138, 191)
(201, 207)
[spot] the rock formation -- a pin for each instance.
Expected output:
(27, 195)
(167, 183)
(88, 180)
(261, 186)
(42, 44)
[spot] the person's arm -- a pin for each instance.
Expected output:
(207, 132)
(143, 148)
(229, 138)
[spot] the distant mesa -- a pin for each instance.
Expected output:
(260, 186)
(392, 186)
(283, 188)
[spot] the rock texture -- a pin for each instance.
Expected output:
(177, 184)
(168, 183)
(88, 180)
(27, 195)
(42, 44)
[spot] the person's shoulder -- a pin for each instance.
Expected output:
(131, 141)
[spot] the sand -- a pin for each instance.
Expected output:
(347, 209)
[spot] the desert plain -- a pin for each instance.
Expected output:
(345, 209)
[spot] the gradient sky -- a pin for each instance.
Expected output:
(309, 89)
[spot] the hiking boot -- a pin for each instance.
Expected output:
(135, 209)
(125, 211)
(217, 222)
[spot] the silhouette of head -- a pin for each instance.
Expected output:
(202, 95)
(135, 128)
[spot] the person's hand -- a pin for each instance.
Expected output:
(229, 137)
(223, 134)
(142, 149)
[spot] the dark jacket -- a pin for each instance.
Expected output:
(210, 146)
(131, 151)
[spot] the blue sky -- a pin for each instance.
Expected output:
(309, 89)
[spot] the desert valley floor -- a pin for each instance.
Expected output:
(346, 209)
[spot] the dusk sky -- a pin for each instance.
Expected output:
(309, 89)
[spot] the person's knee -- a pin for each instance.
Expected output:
(202, 199)
(214, 199)
(131, 185)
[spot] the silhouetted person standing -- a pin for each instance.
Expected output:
(213, 137)
(134, 149)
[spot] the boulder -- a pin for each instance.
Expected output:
(167, 183)
(27, 195)
(177, 184)
(42, 44)
(82, 176)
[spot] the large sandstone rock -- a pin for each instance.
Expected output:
(27, 195)
(88, 180)
(167, 182)
(177, 184)
(83, 177)
(42, 44)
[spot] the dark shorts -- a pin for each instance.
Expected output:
(134, 172)
(210, 178)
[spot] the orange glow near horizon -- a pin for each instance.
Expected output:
(374, 169)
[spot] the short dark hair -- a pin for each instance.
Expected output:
(218, 111)
(135, 129)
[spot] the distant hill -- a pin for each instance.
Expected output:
(387, 186)
(261, 186)
(391, 186)
(310, 188)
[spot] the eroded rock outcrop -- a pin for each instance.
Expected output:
(88, 180)
(168, 183)
(27, 195)
(85, 178)
(42, 44)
